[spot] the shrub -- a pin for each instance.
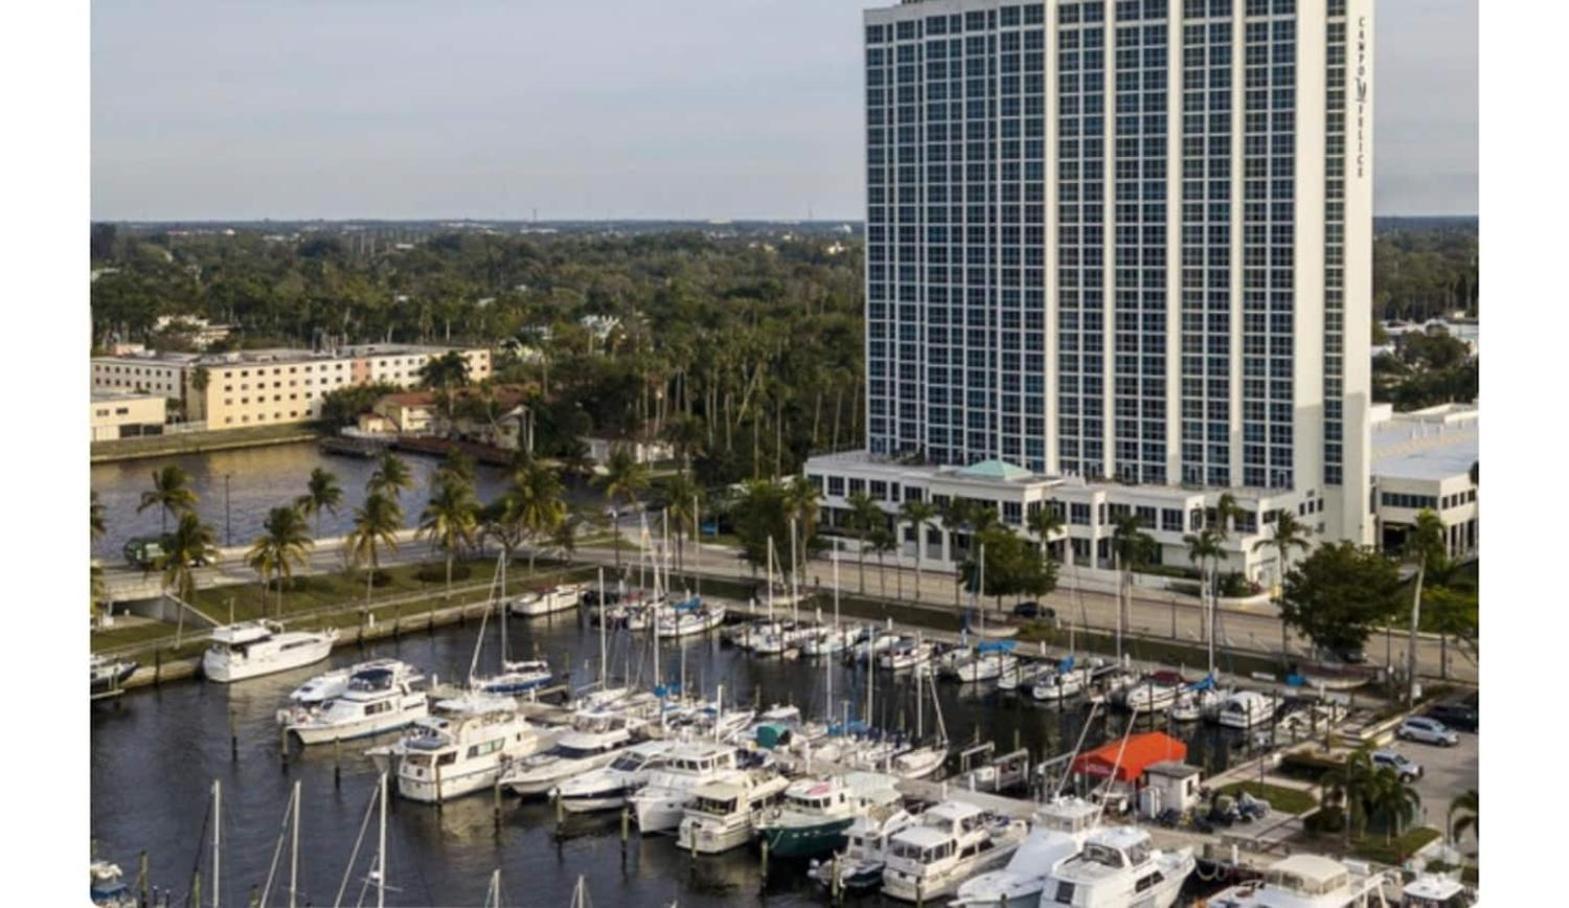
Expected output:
(1324, 821)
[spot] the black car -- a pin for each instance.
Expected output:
(1457, 715)
(1034, 611)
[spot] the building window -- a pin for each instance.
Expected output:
(836, 486)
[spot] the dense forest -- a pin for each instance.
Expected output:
(740, 345)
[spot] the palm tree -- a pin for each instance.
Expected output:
(801, 502)
(191, 544)
(1394, 798)
(457, 465)
(171, 493)
(1468, 805)
(883, 541)
(1288, 534)
(918, 513)
(322, 493)
(539, 505)
(564, 537)
(444, 373)
(624, 479)
(283, 543)
(684, 494)
(1204, 550)
(391, 478)
(1131, 547)
(1348, 787)
(1426, 546)
(95, 573)
(451, 518)
(376, 524)
(865, 516)
(98, 528)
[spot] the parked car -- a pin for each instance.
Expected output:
(1406, 767)
(1034, 611)
(1427, 730)
(1457, 715)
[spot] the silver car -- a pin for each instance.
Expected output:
(1427, 730)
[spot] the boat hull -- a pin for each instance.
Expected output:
(364, 728)
(658, 812)
(909, 888)
(806, 841)
(226, 671)
(711, 837)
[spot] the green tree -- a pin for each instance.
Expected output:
(322, 493)
(1131, 548)
(391, 477)
(171, 494)
(540, 505)
(443, 374)
(882, 541)
(97, 509)
(1467, 805)
(624, 479)
(1390, 796)
(284, 542)
(865, 518)
(376, 524)
(450, 519)
(1204, 550)
(1426, 548)
(918, 513)
(801, 503)
(1337, 594)
(191, 544)
(1286, 535)
(1347, 788)
(760, 515)
(1013, 566)
(96, 590)
(685, 501)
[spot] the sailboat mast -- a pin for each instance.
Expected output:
(602, 621)
(697, 549)
(795, 567)
(381, 848)
(836, 589)
(501, 601)
(294, 848)
(770, 579)
(919, 730)
(217, 839)
(871, 674)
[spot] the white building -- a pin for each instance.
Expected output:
(1116, 246)
(1422, 461)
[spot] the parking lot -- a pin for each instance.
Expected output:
(1447, 772)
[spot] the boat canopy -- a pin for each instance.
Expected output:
(771, 735)
(996, 646)
(1065, 664)
(1205, 683)
(1140, 752)
(689, 605)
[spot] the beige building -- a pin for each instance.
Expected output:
(126, 414)
(267, 387)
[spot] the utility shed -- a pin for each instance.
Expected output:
(1169, 784)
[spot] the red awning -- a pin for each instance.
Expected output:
(1140, 751)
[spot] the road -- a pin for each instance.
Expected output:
(1156, 613)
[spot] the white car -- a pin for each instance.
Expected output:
(1427, 731)
(1404, 766)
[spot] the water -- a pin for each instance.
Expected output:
(155, 753)
(260, 479)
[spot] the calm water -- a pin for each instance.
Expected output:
(156, 751)
(259, 479)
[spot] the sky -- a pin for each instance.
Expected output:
(683, 109)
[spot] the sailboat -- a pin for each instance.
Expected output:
(514, 678)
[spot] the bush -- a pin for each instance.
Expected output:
(1306, 767)
(437, 573)
(1235, 586)
(1324, 821)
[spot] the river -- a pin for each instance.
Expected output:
(156, 751)
(259, 479)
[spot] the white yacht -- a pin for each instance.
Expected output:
(1149, 696)
(516, 677)
(1245, 709)
(374, 700)
(329, 684)
(1058, 686)
(1432, 890)
(688, 618)
(721, 815)
(919, 761)
(987, 666)
(608, 787)
(859, 867)
(593, 741)
(1023, 676)
(109, 674)
(828, 642)
(1118, 867)
(657, 807)
(1057, 832)
(905, 654)
(874, 643)
(254, 648)
(462, 747)
(1308, 881)
(544, 602)
(814, 814)
(952, 842)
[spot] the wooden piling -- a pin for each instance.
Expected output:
(764, 883)
(141, 877)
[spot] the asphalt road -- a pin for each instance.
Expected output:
(1447, 773)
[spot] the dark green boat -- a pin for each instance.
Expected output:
(815, 814)
(805, 841)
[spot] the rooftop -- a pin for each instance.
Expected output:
(1437, 443)
(103, 394)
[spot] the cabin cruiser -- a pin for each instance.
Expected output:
(374, 700)
(828, 642)
(1057, 832)
(907, 653)
(462, 747)
(254, 648)
(721, 814)
(873, 643)
(658, 806)
(687, 618)
(1118, 867)
(544, 602)
(1245, 709)
(109, 674)
(1060, 685)
(919, 761)
(1023, 676)
(593, 741)
(814, 814)
(1432, 890)
(1308, 881)
(516, 677)
(329, 684)
(952, 842)
(987, 666)
(859, 867)
(1148, 696)
(608, 787)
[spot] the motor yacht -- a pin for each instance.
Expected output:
(329, 684)
(1057, 686)
(515, 678)
(828, 642)
(1308, 881)
(462, 747)
(987, 666)
(1057, 832)
(608, 787)
(721, 814)
(919, 761)
(905, 654)
(859, 867)
(1148, 696)
(658, 806)
(952, 842)
(251, 649)
(1118, 867)
(374, 700)
(688, 618)
(595, 739)
(1023, 676)
(815, 813)
(109, 674)
(1432, 890)
(544, 602)
(1245, 709)
(872, 645)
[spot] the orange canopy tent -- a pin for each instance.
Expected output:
(1140, 751)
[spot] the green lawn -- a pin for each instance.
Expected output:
(1286, 800)
(1374, 848)
(1165, 652)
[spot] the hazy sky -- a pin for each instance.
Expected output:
(584, 108)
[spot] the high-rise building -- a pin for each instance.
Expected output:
(1122, 247)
